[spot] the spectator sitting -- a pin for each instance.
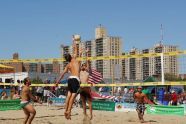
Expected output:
(16, 95)
(4, 95)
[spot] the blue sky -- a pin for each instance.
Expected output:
(36, 28)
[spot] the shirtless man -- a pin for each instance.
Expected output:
(73, 82)
(85, 91)
(140, 100)
(26, 96)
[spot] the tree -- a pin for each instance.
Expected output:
(172, 77)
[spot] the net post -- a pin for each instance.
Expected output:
(162, 70)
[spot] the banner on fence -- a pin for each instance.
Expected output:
(103, 105)
(165, 110)
(184, 105)
(9, 105)
(124, 107)
(57, 101)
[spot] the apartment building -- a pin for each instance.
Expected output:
(142, 68)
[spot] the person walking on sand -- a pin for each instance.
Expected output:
(26, 96)
(85, 93)
(140, 100)
(73, 82)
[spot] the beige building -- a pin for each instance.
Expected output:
(100, 32)
(170, 63)
(133, 66)
(64, 49)
(107, 46)
(102, 45)
(111, 47)
(142, 68)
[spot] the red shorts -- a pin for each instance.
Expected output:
(86, 92)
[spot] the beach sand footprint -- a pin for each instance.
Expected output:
(131, 120)
(49, 122)
(86, 120)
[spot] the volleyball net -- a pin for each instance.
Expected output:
(128, 70)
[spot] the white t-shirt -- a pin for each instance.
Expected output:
(39, 90)
(119, 89)
(125, 90)
(20, 87)
(100, 89)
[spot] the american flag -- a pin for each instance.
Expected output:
(95, 77)
(108, 97)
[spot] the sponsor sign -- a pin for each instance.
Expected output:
(103, 105)
(124, 107)
(165, 110)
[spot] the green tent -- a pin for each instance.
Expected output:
(150, 79)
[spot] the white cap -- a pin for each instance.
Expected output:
(172, 91)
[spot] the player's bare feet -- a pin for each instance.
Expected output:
(65, 113)
(91, 117)
(68, 115)
(142, 121)
(85, 114)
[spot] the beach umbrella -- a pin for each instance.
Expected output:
(6, 69)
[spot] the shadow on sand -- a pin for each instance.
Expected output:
(86, 120)
(36, 117)
(150, 121)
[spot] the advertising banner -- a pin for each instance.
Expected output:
(125, 107)
(103, 105)
(165, 110)
(57, 101)
(10, 105)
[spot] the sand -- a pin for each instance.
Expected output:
(54, 115)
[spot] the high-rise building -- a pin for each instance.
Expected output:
(133, 68)
(170, 63)
(64, 50)
(30, 67)
(18, 66)
(56, 67)
(103, 45)
(142, 68)
(123, 68)
(48, 68)
(108, 46)
(100, 32)
(88, 46)
(40, 68)
(16, 56)
(145, 64)
(87, 49)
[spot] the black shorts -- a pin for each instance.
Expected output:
(39, 94)
(73, 85)
(86, 92)
(174, 103)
